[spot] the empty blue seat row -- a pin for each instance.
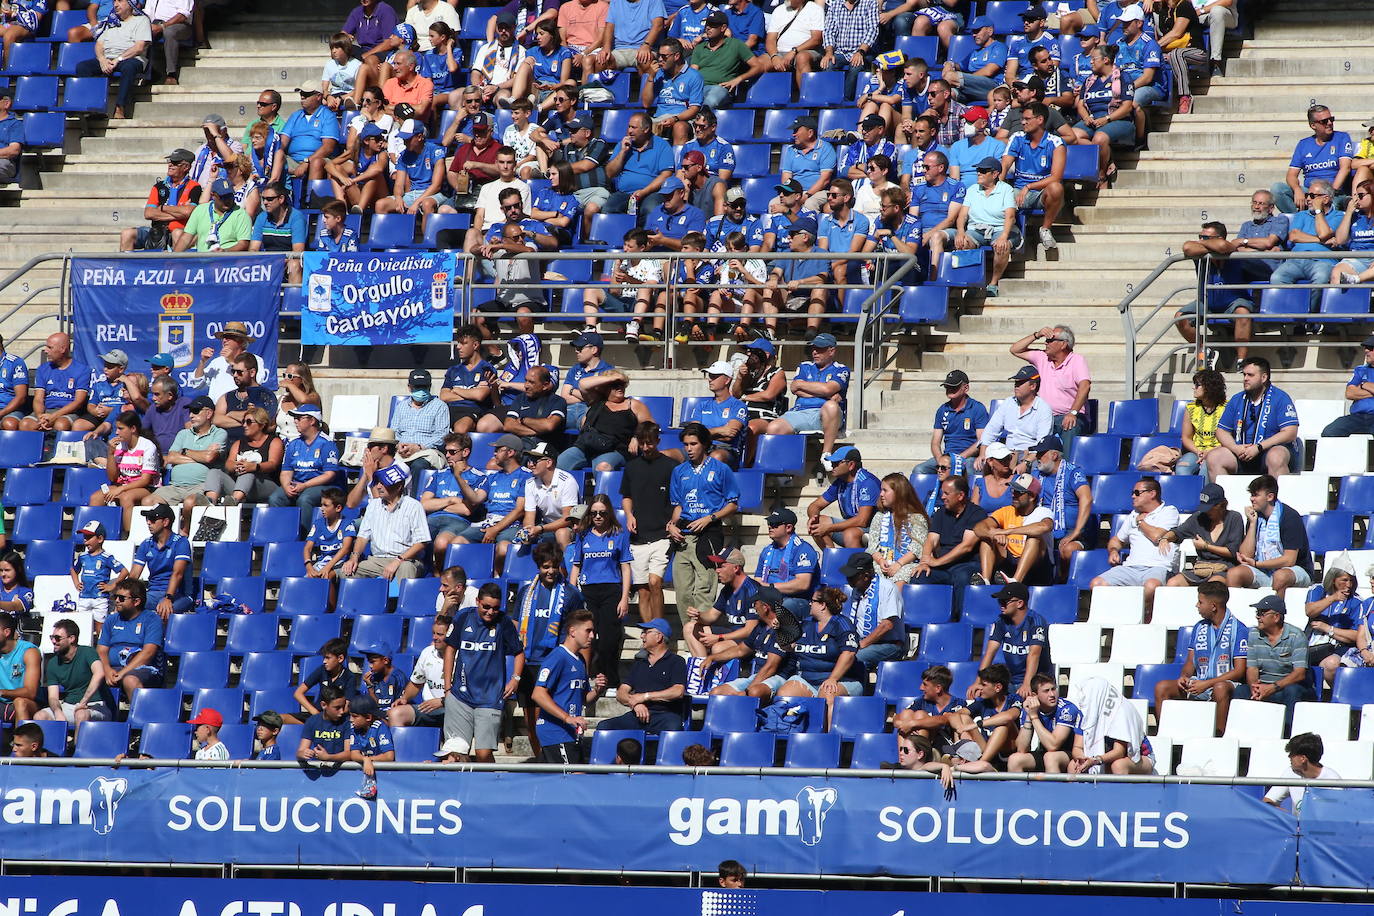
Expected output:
(821, 750)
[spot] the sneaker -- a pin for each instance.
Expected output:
(684, 332)
(651, 335)
(632, 332)
(990, 291)
(977, 579)
(1213, 357)
(504, 102)
(1349, 279)
(769, 333)
(1185, 104)
(1047, 241)
(1240, 366)
(1218, 68)
(1002, 578)
(826, 463)
(368, 790)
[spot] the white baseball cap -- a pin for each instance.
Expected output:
(720, 367)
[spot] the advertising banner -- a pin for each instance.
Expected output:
(375, 297)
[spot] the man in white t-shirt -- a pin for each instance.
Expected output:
(1142, 532)
(793, 42)
(213, 374)
(550, 495)
(488, 210)
(426, 683)
(1016, 542)
(1305, 757)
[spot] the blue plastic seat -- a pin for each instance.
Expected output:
(751, 160)
(110, 516)
(36, 93)
(154, 704)
(226, 558)
(745, 749)
(1146, 676)
(1331, 530)
(730, 714)
(277, 699)
(818, 751)
(274, 523)
(672, 744)
(960, 48)
(832, 558)
(1087, 565)
(1354, 686)
(62, 22)
(477, 560)
(391, 230)
(48, 558)
(1056, 603)
(1080, 162)
(298, 595)
(923, 604)
(858, 715)
(1357, 494)
(85, 95)
(29, 57)
(872, 751)
(28, 487)
(265, 670)
(227, 701)
(44, 130)
(660, 408)
(417, 597)
(735, 125)
(165, 741)
(249, 633)
(69, 54)
(475, 19)
(250, 591)
(758, 192)
(1112, 492)
(438, 222)
(362, 596)
(1099, 454)
(1138, 417)
(79, 483)
(415, 743)
(1284, 302)
(845, 117)
(923, 47)
(310, 632)
(774, 90)
(750, 484)
(190, 633)
(1182, 491)
(282, 560)
(1344, 301)
(777, 126)
(520, 566)
(946, 642)
(898, 679)
(20, 448)
(419, 634)
(780, 454)
(238, 739)
(615, 122)
(928, 304)
(54, 735)
(604, 742)
(203, 669)
(37, 523)
(980, 609)
(101, 740)
(608, 230)
(373, 630)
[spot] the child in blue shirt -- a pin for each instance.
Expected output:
(371, 741)
(330, 541)
(94, 573)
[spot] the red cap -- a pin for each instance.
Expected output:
(693, 157)
(208, 716)
(976, 112)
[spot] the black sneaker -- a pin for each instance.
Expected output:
(977, 579)
(651, 335)
(1218, 68)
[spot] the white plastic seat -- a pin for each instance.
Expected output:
(1209, 757)
(1076, 643)
(1175, 606)
(1330, 720)
(1250, 721)
(1351, 759)
(1307, 493)
(1315, 414)
(1181, 719)
(1140, 644)
(123, 551)
(1342, 456)
(1163, 746)
(1237, 489)
(1117, 605)
(1242, 601)
(49, 589)
(348, 412)
(1367, 723)
(1108, 671)
(1268, 760)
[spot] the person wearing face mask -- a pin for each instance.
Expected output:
(420, 422)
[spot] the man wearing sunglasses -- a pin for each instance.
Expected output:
(1327, 154)
(245, 395)
(1142, 532)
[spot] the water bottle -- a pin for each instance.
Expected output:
(633, 207)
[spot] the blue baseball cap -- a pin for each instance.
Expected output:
(222, 188)
(1089, 31)
(981, 22)
(161, 360)
(307, 410)
(581, 122)
(371, 130)
(844, 452)
(762, 344)
(379, 648)
(803, 224)
(822, 341)
(673, 184)
(660, 625)
(389, 476)
(409, 128)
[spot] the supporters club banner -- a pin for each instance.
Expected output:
(145, 306)
(373, 298)
(649, 822)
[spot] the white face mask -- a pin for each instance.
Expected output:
(970, 130)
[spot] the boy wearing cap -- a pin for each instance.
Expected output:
(94, 573)
(219, 224)
(193, 453)
(655, 690)
(821, 386)
(265, 734)
(1215, 533)
(788, 563)
(856, 489)
(110, 396)
(394, 527)
(205, 739)
(726, 417)
(417, 182)
(369, 742)
(1016, 543)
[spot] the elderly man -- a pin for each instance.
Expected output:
(409, 87)
(655, 689)
(1314, 229)
(958, 424)
(1065, 381)
(212, 371)
(167, 413)
(311, 135)
(218, 225)
(1258, 430)
(121, 51)
(171, 24)
(538, 414)
(1216, 659)
(394, 527)
(1142, 532)
(1326, 155)
(170, 203)
(987, 218)
(640, 166)
(1019, 421)
(61, 387)
(194, 451)
(809, 161)
(211, 155)
(1276, 658)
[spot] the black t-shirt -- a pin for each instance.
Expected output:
(646, 483)
(951, 530)
(646, 678)
(1168, 18)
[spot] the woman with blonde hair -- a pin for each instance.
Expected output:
(297, 388)
(252, 466)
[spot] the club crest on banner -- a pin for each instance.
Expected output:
(176, 328)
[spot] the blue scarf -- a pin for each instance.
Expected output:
(262, 166)
(1216, 652)
(1059, 506)
(1251, 434)
(1267, 546)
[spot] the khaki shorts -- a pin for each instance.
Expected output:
(624, 57)
(173, 494)
(648, 560)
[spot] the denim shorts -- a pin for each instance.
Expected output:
(804, 421)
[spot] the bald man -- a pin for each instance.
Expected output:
(61, 387)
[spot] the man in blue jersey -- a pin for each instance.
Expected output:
(1019, 639)
(326, 737)
(765, 663)
(856, 490)
(872, 141)
(1359, 391)
(703, 492)
(167, 558)
(718, 158)
(1066, 492)
(726, 417)
(1037, 159)
(309, 466)
(875, 607)
(810, 161)
(735, 218)
(731, 618)
(451, 510)
(1053, 721)
(821, 386)
(990, 723)
(562, 692)
(130, 646)
(656, 688)
(587, 347)
(480, 641)
(418, 179)
(1315, 229)
(982, 71)
(932, 714)
(469, 382)
(936, 203)
(1141, 63)
(1258, 430)
(788, 563)
(266, 730)
(14, 388)
(61, 387)
(1216, 660)
(673, 91)
(671, 220)
(843, 230)
(641, 164)
(1326, 155)
(504, 498)
(958, 424)
(1034, 35)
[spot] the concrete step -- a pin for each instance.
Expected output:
(1296, 69)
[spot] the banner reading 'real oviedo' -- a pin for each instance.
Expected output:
(374, 298)
(649, 822)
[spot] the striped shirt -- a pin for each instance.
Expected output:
(849, 27)
(391, 532)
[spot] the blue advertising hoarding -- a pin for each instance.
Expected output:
(376, 297)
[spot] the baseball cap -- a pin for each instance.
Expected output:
(734, 195)
(660, 625)
(1089, 31)
(804, 121)
(845, 453)
(803, 223)
(981, 22)
(1211, 494)
(199, 403)
(389, 476)
(480, 120)
(306, 410)
(735, 556)
(769, 596)
(452, 746)
(207, 716)
(222, 188)
(505, 19)
(856, 563)
(1368, 342)
(673, 184)
(270, 718)
(308, 88)
(822, 342)
(719, 367)
(975, 113)
(115, 357)
(783, 516)
(1025, 483)
(693, 157)
(369, 131)
(955, 377)
(420, 379)
(510, 441)
(180, 155)
(409, 128)
(1025, 374)
(716, 17)
(762, 344)
(581, 122)
(217, 120)
(1033, 12)
(540, 450)
(161, 360)
(363, 705)
(1049, 444)
(160, 511)
(988, 164)
(999, 450)
(589, 338)
(871, 122)
(1131, 14)
(92, 529)
(1271, 603)
(1010, 591)
(790, 186)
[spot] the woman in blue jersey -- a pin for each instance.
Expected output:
(826, 654)
(16, 595)
(555, 206)
(599, 565)
(547, 66)
(1106, 111)
(1356, 232)
(441, 63)
(540, 610)
(992, 488)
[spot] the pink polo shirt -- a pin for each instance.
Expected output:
(1059, 386)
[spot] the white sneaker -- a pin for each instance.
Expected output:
(1047, 241)
(827, 463)
(632, 332)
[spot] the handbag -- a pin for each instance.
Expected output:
(210, 528)
(1161, 458)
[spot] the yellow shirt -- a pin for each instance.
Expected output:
(1204, 425)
